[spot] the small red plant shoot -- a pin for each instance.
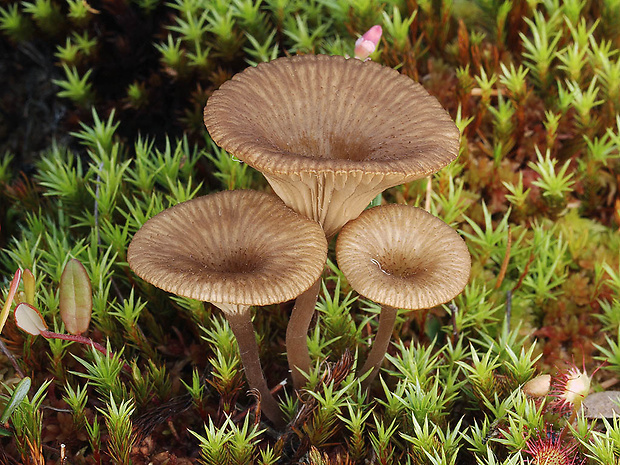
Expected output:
(75, 306)
(28, 318)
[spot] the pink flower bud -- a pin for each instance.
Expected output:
(367, 44)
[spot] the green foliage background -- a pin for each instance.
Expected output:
(534, 89)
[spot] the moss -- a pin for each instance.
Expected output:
(534, 194)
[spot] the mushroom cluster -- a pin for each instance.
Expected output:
(329, 134)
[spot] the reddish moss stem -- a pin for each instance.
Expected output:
(9, 355)
(82, 340)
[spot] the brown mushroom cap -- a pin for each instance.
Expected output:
(329, 134)
(403, 257)
(238, 247)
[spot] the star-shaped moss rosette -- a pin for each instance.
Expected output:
(234, 249)
(401, 257)
(329, 134)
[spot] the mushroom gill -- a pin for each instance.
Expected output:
(329, 134)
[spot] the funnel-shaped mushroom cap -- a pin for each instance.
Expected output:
(404, 257)
(329, 134)
(237, 247)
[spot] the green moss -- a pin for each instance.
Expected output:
(533, 88)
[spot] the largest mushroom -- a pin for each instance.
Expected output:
(235, 249)
(329, 134)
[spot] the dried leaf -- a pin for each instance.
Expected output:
(4, 314)
(604, 404)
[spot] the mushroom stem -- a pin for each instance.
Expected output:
(387, 319)
(241, 324)
(297, 334)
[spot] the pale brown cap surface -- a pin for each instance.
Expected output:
(319, 112)
(240, 247)
(340, 130)
(404, 257)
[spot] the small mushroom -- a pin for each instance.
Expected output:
(401, 257)
(234, 249)
(329, 134)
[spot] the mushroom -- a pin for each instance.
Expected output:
(234, 249)
(329, 134)
(401, 257)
